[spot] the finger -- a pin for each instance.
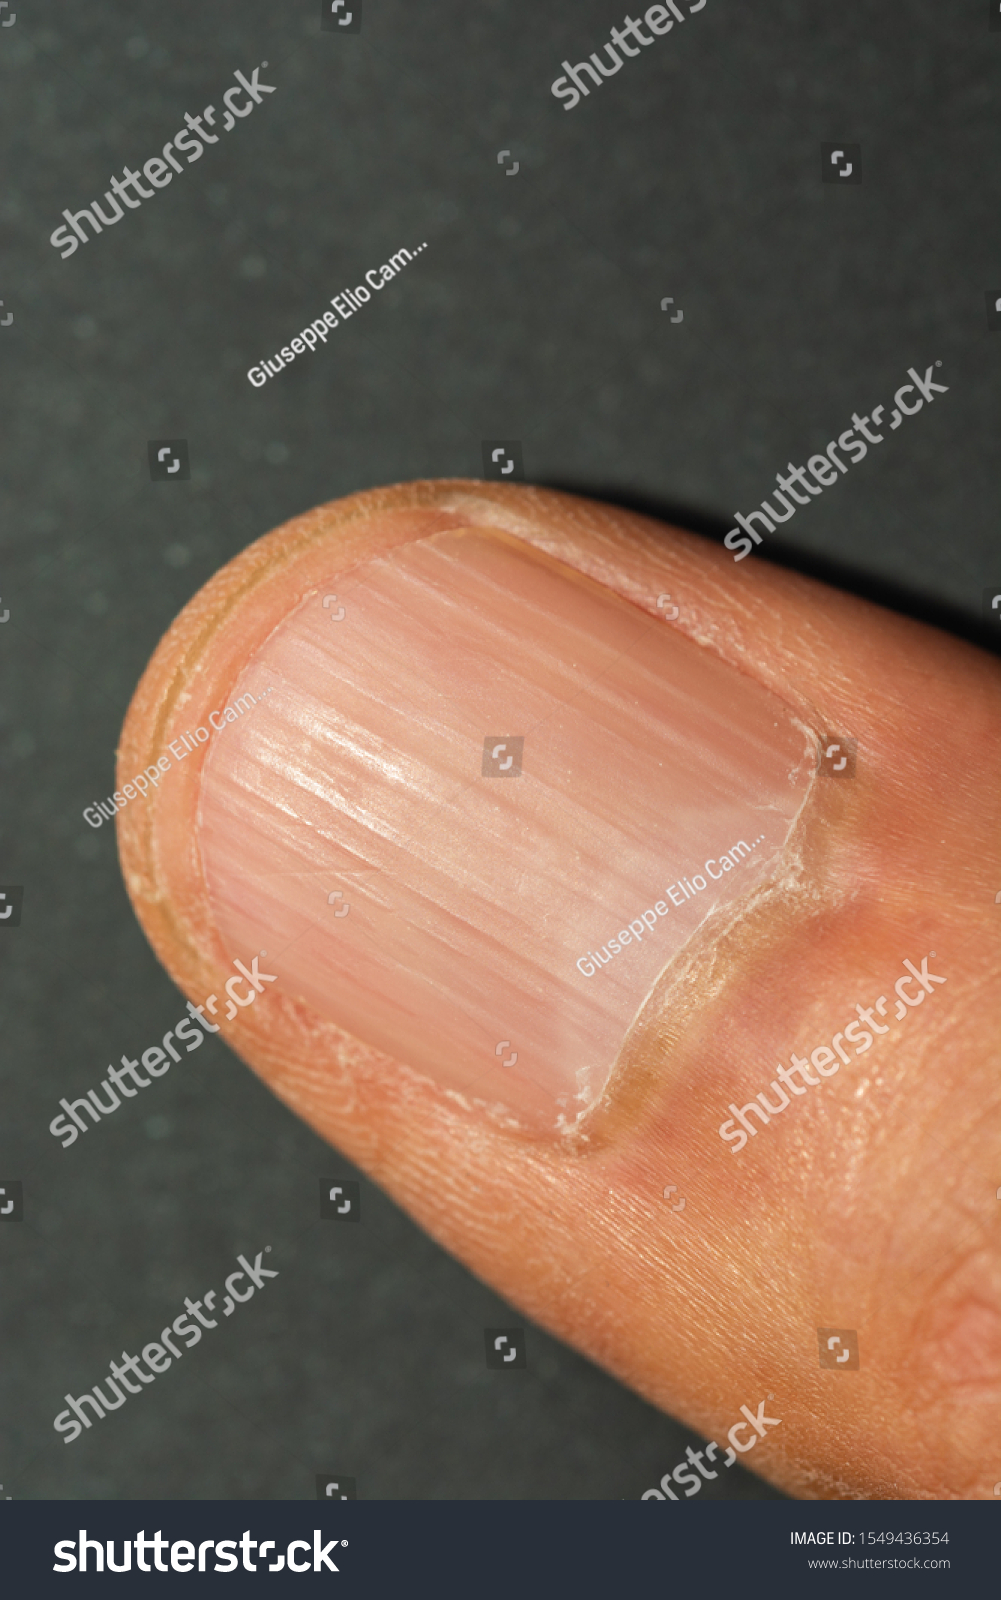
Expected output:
(498, 912)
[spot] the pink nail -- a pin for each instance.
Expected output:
(489, 881)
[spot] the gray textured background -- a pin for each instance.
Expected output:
(534, 313)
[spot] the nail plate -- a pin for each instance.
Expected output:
(527, 793)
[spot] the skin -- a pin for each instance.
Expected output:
(870, 1204)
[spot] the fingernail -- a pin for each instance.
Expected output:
(528, 794)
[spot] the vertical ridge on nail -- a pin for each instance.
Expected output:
(476, 890)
